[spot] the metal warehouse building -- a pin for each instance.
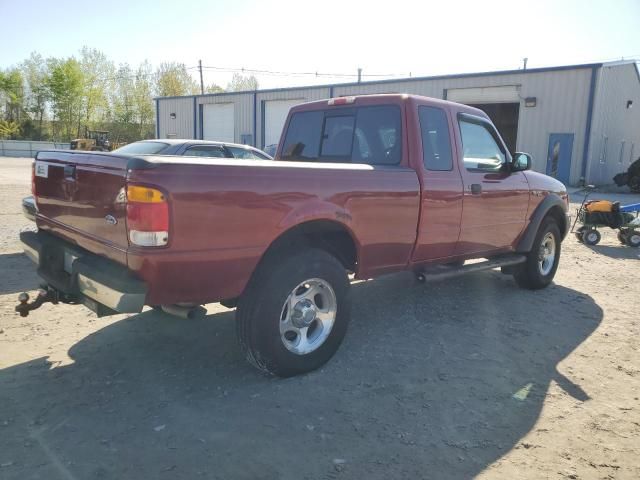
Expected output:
(579, 122)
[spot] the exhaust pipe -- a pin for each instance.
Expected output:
(187, 312)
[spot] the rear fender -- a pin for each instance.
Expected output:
(316, 210)
(312, 222)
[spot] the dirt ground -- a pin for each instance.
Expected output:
(465, 378)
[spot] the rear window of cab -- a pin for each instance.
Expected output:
(371, 135)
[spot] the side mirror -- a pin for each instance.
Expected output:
(521, 161)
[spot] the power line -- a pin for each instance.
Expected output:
(356, 75)
(316, 74)
(282, 73)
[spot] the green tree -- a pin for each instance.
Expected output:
(121, 93)
(122, 113)
(96, 73)
(36, 75)
(132, 103)
(213, 88)
(9, 129)
(172, 79)
(143, 99)
(242, 83)
(11, 94)
(66, 87)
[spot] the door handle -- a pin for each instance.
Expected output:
(476, 188)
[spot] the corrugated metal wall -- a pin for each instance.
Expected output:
(182, 125)
(562, 99)
(616, 128)
(243, 112)
(561, 105)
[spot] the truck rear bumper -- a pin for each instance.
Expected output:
(103, 285)
(29, 208)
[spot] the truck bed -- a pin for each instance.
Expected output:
(224, 214)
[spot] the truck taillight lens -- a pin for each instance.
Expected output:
(33, 179)
(147, 216)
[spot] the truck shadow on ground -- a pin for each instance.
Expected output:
(432, 381)
(17, 274)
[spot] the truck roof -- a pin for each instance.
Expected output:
(391, 98)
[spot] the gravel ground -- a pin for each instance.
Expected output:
(465, 378)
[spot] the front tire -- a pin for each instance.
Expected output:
(543, 259)
(294, 313)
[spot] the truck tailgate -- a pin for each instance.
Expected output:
(81, 196)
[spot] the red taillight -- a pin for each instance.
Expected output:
(341, 100)
(147, 216)
(33, 178)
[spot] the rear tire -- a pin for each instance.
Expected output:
(283, 332)
(543, 259)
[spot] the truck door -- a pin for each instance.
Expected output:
(441, 207)
(495, 200)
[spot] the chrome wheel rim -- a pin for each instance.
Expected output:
(547, 254)
(307, 316)
(634, 239)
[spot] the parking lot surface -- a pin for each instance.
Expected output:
(470, 377)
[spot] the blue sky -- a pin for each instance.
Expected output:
(327, 36)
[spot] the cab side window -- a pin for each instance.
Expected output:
(436, 143)
(378, 136)
(480, 150)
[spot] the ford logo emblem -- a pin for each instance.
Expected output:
(110, 219)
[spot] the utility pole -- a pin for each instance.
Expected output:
(359, 75)
(524, 62)
(201, 82)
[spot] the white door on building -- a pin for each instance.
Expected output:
(275, 114)
(218, 122)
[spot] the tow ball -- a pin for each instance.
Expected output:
(45, 295)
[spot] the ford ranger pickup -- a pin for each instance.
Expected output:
(360, 187)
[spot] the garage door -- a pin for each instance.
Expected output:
(275, 114)
(506, 94)
(218, 122)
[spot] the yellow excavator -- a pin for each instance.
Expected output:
(95, 140)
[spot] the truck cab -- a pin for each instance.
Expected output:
(475, 196)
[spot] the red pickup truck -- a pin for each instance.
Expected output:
(363, 185)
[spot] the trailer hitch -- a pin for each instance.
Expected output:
(45, 294)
